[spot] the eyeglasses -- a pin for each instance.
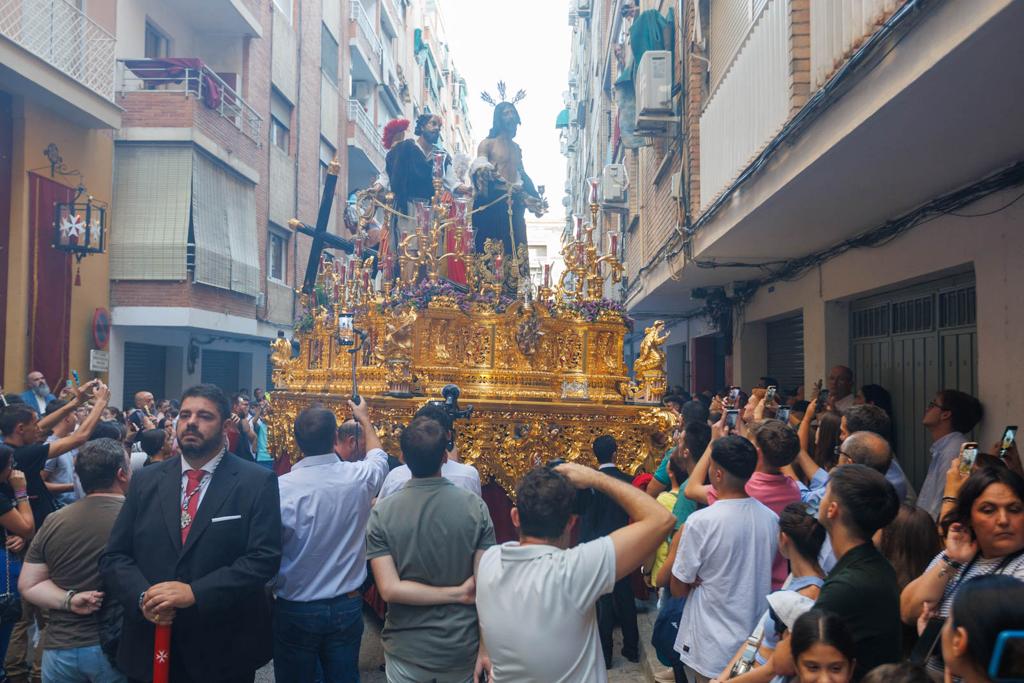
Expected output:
(838, 452)
(933, 404)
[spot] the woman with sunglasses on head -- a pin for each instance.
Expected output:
(983, 608)
(986, 536)
(823, 648)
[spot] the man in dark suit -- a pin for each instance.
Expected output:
(194, 546)
(602, 517)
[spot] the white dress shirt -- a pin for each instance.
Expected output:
(325, 504)
(204, 483)
(463, 476)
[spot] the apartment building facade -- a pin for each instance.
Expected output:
(57, 117)
(849, 193)
(232, 112)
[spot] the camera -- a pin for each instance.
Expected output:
(450, 404)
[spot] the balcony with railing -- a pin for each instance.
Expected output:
(184, 92)
(839, 27)
(66, 39)
(749, 104)
(365, 44)
(364, 136)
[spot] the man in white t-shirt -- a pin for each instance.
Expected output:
(536, 598)
(723, 565)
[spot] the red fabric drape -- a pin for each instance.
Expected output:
(157, 72)
(49, 283)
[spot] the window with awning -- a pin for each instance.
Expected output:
(162, 190)
(562, 120)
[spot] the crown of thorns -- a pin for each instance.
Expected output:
(502, 92)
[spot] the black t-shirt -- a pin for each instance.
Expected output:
(861, 589)
(31, 460)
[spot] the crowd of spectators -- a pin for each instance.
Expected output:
(779, 535)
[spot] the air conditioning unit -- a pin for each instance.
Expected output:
(614, 183)
(676, 187)
(654, 84)
(583, 8)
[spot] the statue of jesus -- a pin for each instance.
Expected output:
(498, 170)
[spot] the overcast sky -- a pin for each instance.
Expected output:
(525, 43)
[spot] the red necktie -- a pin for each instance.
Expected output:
(191, 503)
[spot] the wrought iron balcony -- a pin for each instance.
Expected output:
(64, 37)
(144, 78)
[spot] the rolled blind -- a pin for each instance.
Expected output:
(224, 225)
(150, 212)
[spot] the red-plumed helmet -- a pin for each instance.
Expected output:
(394, 128)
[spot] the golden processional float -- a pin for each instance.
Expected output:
(543, 369)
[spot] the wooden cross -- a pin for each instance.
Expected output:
(321, 238)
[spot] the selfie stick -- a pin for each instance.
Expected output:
(354, 350)
(162, 653)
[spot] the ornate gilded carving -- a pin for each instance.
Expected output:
(649, 367)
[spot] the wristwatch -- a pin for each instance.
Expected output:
(951, 565)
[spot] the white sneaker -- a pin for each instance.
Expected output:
(665, 676)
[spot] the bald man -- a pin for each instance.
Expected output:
(38, 393)
(867, 448)
(840, 388)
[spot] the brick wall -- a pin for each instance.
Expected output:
(800, 54)
(181, 294)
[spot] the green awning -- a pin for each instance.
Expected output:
(562, 121)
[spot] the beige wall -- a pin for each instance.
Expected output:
(993, 245)
(90, 152)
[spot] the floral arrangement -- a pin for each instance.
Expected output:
(591, 311)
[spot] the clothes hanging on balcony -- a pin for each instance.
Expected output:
(157, 72)
(650, 31)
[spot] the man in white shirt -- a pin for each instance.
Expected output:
(536, 598)
(462, 475)
(325, 504)
(723, 565)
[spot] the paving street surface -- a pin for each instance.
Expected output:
(371, 656)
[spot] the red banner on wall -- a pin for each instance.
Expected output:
(49, 324)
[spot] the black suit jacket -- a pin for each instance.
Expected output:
(603, 515)
(227, 563)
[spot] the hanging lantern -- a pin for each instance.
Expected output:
(79, 228)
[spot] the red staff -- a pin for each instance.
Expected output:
(162, 654)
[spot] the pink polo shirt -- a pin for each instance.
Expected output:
(775, 492)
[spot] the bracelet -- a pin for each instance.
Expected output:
(950, 499)
(67, 600)
(21, 493)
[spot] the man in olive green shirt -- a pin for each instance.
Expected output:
(423, 543)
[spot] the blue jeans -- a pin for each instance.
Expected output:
(79, 665)
(5, 630)
(327, 632)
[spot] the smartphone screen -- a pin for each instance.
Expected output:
(734, 396)
(769, 395)
(783, 413)
(968, 454)
(731, 416)
(1009, 436)
(822, 399)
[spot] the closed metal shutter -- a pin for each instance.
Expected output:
(145, 367)
(785, 343)
(915, 342)
(221, 368)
